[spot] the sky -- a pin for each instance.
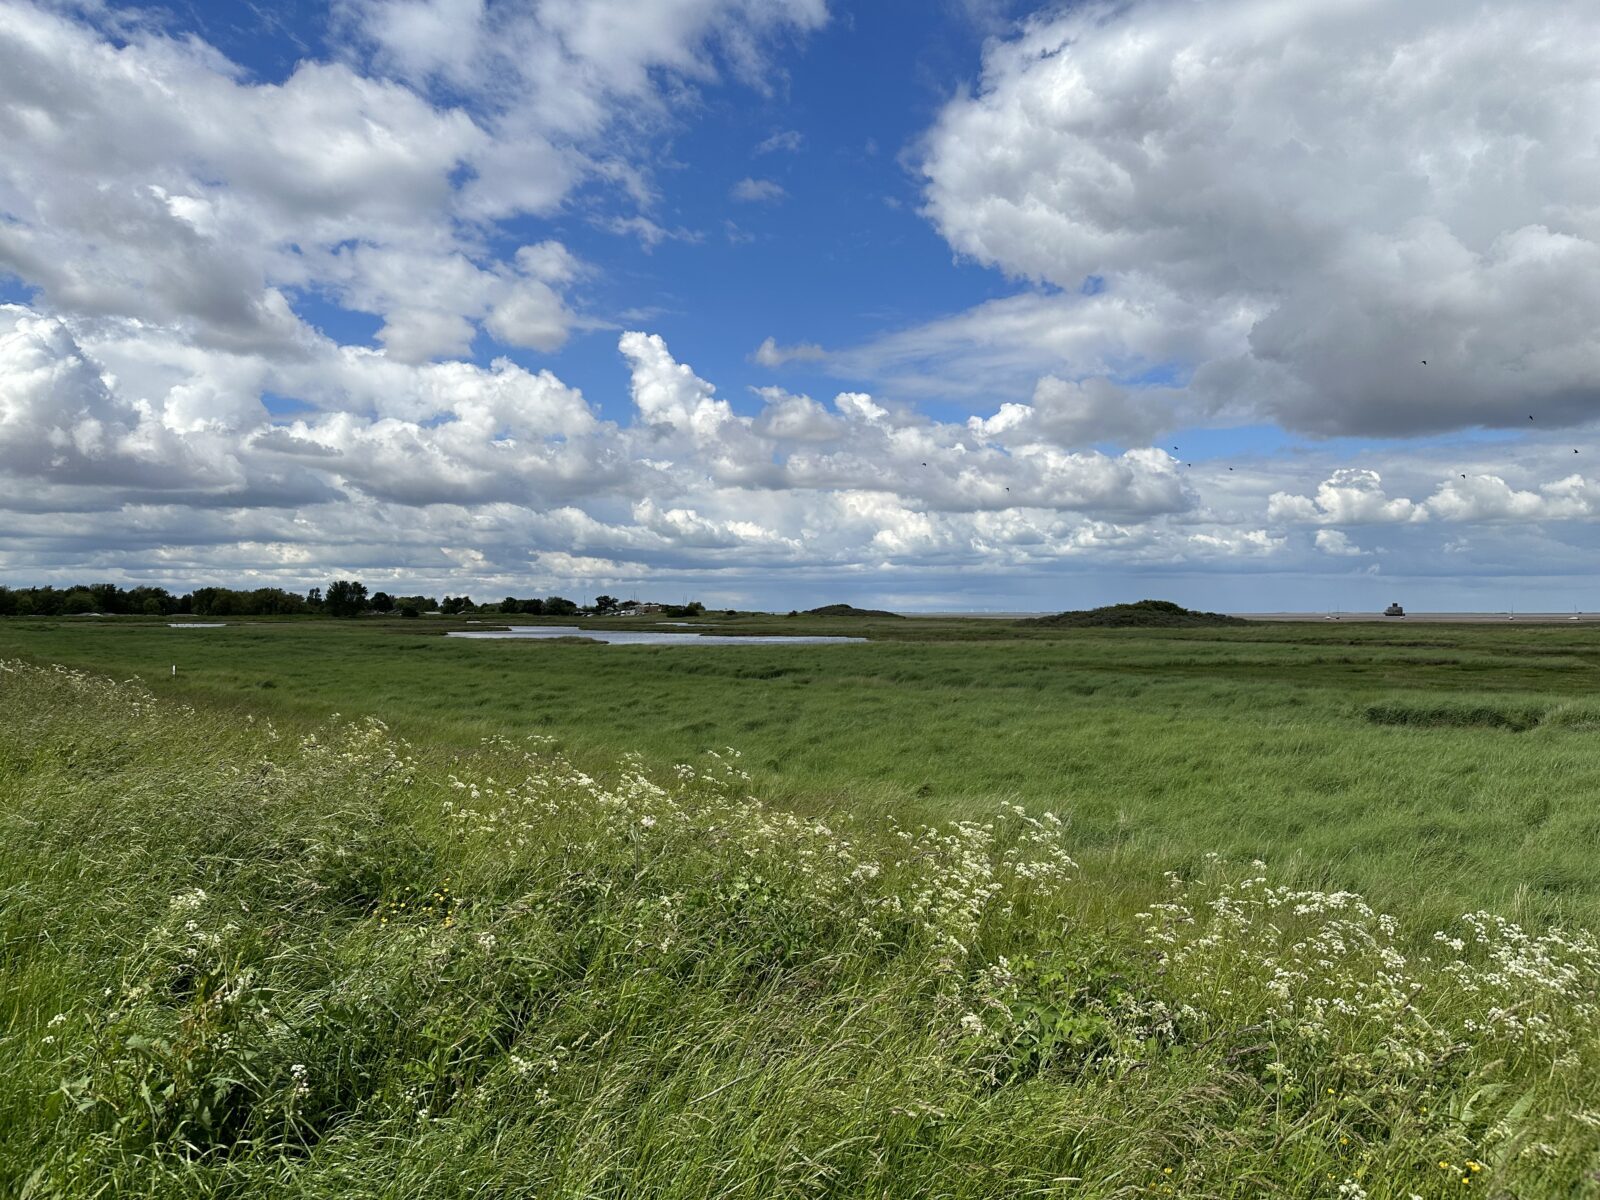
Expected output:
(938, 305)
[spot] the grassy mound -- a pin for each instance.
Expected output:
(1447, 712)
(1514, 713)
(849, 610)
(240, 963)
(1142, 614)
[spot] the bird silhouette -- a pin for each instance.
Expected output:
(1230, 468)
(1530, 416)
(1463, 477)
(1574, 451)
(1424, 362)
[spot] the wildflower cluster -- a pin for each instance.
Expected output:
(957, 872)
(436, 904)
(363, 748)
(1536, 990)
(1312, 966)
(932, 884)
(1320, 968)
(1326, 990)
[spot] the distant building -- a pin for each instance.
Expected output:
(1394, 610)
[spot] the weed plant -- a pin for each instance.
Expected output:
(241, 961)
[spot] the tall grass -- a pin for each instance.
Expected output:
(240, 963)
(1476, 786)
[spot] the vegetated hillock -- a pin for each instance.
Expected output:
(849, 610)
(245, 963)
(1145, 614)
(1514, 713)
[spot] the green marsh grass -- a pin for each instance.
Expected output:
(248, 956)
(1435, 769)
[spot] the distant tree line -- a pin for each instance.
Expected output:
(552, 606)
(148, 601)
(342, 598)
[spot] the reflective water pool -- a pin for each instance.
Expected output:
(650, 637)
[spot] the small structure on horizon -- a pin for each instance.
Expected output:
(1394, 610)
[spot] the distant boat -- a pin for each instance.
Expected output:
(1394, 610)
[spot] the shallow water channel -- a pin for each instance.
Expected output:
(652, 637)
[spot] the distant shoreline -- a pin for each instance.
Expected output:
(1434, 618)
(1429, 618)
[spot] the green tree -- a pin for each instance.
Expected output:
(345, 598)
(382, 602)
(605, 604)
(560, 606)
(152, 601)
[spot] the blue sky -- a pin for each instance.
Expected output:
(935, 305)
(854, 258)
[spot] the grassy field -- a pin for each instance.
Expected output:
(978, 912)
(1434, 768)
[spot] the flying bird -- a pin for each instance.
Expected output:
(1424, 362)
(1463, 477)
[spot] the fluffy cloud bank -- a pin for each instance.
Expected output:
(1309, 198)
(1186, 189)
(459, 433)
(1356, 497)
(146, 177)
(108, 418)
(122, 448)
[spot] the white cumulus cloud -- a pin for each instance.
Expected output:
(1337, 543)
(770, 354)
(757, 191)
(1312, 194)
